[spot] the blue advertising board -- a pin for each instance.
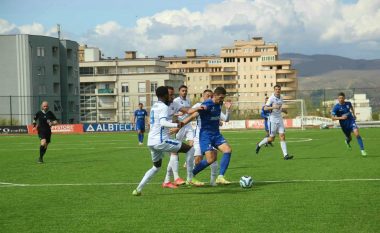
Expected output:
(107, 127)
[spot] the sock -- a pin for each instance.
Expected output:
(42, 151)
(214, 171)
(202, 165)
(142, 138)
(224, 163)
(348, 140)
(190, 164)
(169, 172)
(360, 141)
(174, 165)
(147, 177)
(264, 141)
(283, 147)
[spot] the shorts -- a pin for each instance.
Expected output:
(45, 135)
(169, 145)
(276, 127)
(140, 126)
(266, 124)
(348, 126)
(209, 142)
(185, 133)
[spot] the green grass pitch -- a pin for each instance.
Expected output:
(87, 180)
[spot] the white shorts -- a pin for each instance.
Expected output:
(197, 147)
(186, 132)
(276, 127)
(169, 145)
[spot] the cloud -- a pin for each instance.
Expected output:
(325, 26)
(33, 29)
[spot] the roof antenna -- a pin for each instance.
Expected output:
(59, 31)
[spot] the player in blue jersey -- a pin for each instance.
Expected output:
(210, 136)
(139, 121)
(265, 115)
(345, 113)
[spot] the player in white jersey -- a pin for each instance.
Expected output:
(159, 141)
(276, 123)
(172, 169)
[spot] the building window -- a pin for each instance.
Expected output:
(56, 88)
(142, 99)
(265, 84)
(245, 85)
(142, 87)
(140, 69)
(153, 87)
(257, 85)
(55, 51)
(124, 88)
(86, 70)
(154, 100)
(71, 88)
(40, 51)
(251, 85)
(42, 90)
(188, 78)
(125, 102)
(41, 70)
(245, 77)
(57, 106)
(245, 60)
(271, 84)
(69, 53)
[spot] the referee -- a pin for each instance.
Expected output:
(44, 119)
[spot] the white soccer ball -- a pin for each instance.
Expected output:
(246, 182)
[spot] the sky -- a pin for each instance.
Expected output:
(348, 28)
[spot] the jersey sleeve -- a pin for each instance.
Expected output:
(334, 110)
(35, 118)
(269, 103)
(52, 117)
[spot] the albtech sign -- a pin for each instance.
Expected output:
(13, 129)
(111, 127)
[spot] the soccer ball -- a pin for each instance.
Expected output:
(246, 182)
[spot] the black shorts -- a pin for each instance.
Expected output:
(44, 135)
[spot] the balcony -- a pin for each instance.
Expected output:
(282, 71)
(106, 91)
(221, 82)
(107, 118)
(107, 105)
(223, 73)
(288, 89)
(289, 97)
(285, 80)
(276, 63)
(231, 89)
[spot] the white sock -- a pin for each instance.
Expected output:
(264, 141)
(174, 164)
(190, 164)
(169, 172)
(283, 147)
(147, 177)
(214, 172)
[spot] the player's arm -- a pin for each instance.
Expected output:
(353, 111)
(190, 118)
(53, 120)
(226, 117)
(134, 118)
(335, 117)
(35, 121)
(165, 123)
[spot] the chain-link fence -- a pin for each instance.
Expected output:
(110, 107)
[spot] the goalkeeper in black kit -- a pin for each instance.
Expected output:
(43, 120)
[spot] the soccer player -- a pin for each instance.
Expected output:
(198, 156)
(43, 120)
(139, 121)
(265, 115)
(276, 123)
(345, 113)
(158, 138)
(210, 136)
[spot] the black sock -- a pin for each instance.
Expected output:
(42, 151)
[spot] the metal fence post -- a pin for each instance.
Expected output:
(10, 108)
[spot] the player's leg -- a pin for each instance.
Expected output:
(214, 171)
(281, 132)
(225, 161)
(157, 161)
(360, 141)
(272, 133)
(142, 131)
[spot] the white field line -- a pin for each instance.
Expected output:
(6, 185)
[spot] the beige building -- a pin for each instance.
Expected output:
(247, 69)
(111, 89)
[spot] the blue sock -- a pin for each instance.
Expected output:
(139, 137)
(202, 165)
(224, 163)
(142, 137)
(360, 141)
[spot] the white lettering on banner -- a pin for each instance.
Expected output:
(99, 128)
(110, 127)
(62, 128)
(90, 128)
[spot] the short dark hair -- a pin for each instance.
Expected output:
(220, 91)
(182, 86)
(276, 86)
(341, 94)
(161, 91)
(170, 88)
(141, 104)
(207, 90)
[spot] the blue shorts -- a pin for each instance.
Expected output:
(208, 142)
(266, 124)
(348, 126)
(140, 126)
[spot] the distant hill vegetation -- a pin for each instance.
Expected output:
(329, 71)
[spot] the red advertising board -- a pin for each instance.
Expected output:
(61, 129)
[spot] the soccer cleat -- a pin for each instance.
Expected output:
(40, 160)
(347, 144)
(140, 143)
(195, 182)
(288, 157)
(169, 185)
(363, 153)
(179, 181)
(257, 148)
(136, 193)
(222, 180)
